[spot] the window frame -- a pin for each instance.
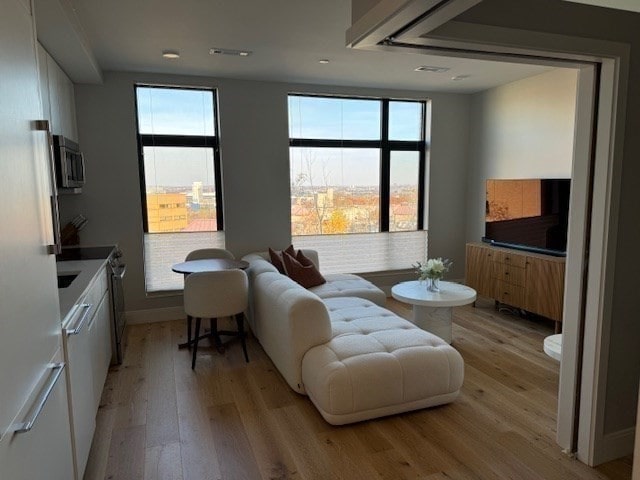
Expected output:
(386, 146)
(166, 140)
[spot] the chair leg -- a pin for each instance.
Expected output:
(240, 322)
(189, 321)
(195, 344)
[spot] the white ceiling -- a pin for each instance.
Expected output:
(287, 38)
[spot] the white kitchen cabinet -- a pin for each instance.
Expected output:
(87, 353)
(58, 96)
(30, 330)
(101, 347)
(45, 450)
(43, 78)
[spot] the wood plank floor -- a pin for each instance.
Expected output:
(158, 419)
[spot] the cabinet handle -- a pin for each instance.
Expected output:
(506, 273)
(79, 326)
(56, 372)
(56, 247)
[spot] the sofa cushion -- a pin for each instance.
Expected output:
(348, 285)
(377, 364)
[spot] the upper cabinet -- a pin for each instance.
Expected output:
(58, 99)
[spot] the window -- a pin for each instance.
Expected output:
(179, 176)
(357, 167)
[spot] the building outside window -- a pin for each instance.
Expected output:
(179, 176)
(357, 167)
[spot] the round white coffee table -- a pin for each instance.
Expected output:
(432, 310)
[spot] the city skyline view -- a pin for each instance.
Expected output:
(333, 189)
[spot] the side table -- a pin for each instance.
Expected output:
(432, 311)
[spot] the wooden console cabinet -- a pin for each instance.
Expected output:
(530, 281)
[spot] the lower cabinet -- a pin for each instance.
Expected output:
(531, 281)
(43, 452)
(479, 271)
(88, 353)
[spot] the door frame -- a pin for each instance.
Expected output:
(603, 68)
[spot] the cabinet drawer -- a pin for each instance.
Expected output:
(509, 274)
(510, 294)
(509, 258)
(97, 289)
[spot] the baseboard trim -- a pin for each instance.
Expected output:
(153, 315)
(615, 445)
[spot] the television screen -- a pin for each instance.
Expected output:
(530, 214)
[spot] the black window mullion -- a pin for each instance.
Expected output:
(152, 140)
(385, 168)
(422, 168)
(217, 172)
(328, 143)
(143, 186)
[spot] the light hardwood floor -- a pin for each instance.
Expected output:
(158, 419)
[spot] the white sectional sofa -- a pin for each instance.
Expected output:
(354, 359)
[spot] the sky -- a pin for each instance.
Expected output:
(190, 112)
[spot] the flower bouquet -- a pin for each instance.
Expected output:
(433, 271)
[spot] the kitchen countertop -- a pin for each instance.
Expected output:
(86, 270)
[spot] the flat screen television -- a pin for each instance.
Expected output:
(528, 214)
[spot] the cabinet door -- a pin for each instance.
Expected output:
(45, 450)
(43, 77)
(479, 270)
(101, 347)
(544, 287)
(62, 101)
(80, 370)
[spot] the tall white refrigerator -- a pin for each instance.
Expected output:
(35, 438)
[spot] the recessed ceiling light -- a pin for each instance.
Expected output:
(171, 54)
(460, 77)
(324, 61)
(228, 51)
(431, 69)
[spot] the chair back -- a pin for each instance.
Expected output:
(205, 253)
(216, 294)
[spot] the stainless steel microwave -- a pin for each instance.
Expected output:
(69, 163)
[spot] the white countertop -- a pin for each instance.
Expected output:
(86, 270)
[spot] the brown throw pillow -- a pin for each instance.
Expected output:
(304, 260)
(306, 275)
(276, 257)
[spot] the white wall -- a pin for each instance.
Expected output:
(255, 164)
(521, 130)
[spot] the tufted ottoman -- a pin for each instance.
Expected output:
(377, 364)
(348, 285)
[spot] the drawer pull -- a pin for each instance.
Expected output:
(56, 371)
(79, 326)
(506, 273)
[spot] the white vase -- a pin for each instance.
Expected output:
(433, 284)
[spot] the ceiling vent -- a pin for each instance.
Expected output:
(228, 51)
(427, 68)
